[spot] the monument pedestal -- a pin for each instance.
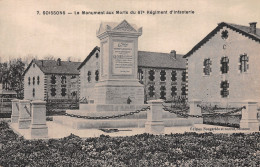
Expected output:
(119, 92)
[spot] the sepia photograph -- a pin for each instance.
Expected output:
(129, 83)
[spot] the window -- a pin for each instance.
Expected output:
(53, 79)
(224, 65)
(183, 90)
(74, 93)
(33, 80)
(163, 75)
(183, 76)
(38, 80)
(33, 92)
(244, 66)
(97, 75)
(174, 75)
(73, 76)
(207, 66)
(53, 92)
(162, 93)
(29, 81)
(151, 75)
(63, 79)
(224, 89)
(174, 91)
(97, 55)
(140, 75)
(63, 91)
(224, 34)
(33, 65)
(89, 76)
(151, 90)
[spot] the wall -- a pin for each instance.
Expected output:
(168, 83)
(242, 86)
(87, 87)
(70, 85)
(34, 71)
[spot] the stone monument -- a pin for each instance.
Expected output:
(118, 81)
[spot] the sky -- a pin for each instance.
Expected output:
(23, 32)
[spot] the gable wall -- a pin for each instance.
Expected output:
(34, 71)
(242, 86)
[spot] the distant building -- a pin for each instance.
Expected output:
(50, 79)
(224, 66)
(162, 74)
(5, 101)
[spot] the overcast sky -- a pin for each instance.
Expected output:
(23, 32)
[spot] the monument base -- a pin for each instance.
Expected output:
(14, 118)
(131, 121)
(252, 124)
(24, 123)
(154, 127)
(39, 131)
(110, 107)
(119, 92)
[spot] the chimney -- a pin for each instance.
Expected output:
(253, 27)
(58, 62)
(173, 54)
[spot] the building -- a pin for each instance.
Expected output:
(52, 80)
(224, 66)
(162, 74)
(6, 97)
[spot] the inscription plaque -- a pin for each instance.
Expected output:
(123, 58)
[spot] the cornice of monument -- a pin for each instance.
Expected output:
(114, 29)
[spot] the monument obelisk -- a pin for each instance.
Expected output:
(119, 50)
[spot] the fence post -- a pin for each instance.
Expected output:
(249, 116)
(195, 110)
(24, 120)
(154, 123)
(15, 111)
(38, 127)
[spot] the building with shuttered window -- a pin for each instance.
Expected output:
(50, 79)
(224, 66)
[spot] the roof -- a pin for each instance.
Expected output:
(160, 60)
(88, 57)
(244, 30)
(51, 67)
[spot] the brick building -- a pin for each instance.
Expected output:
(224, 66)
(162, 74)
(50, 79)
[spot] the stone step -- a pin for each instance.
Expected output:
(141, 115)
(80, 123)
